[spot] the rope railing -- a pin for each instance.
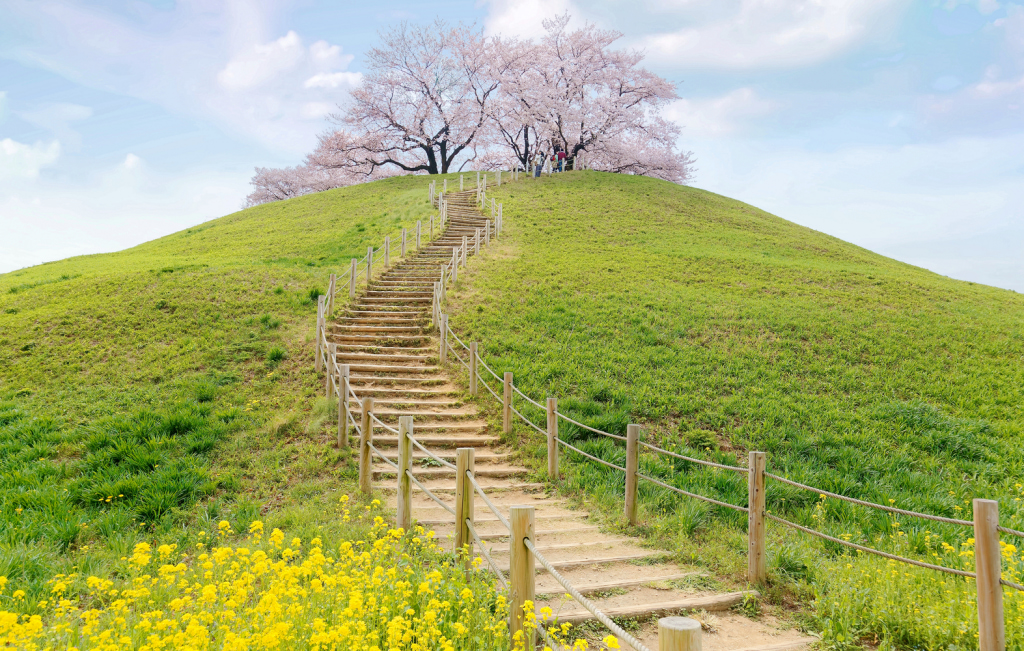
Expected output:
(487, 556)
(590, 456)
(373, 449)
(890, 509)
(527, 420)
(491, 391)
(431, 455)
(691, 459)
(429, 493)
(489, 369)
(694, 495)
(494, 509)
(588, 427)
(583, 601)
(374, 418)
(452, 333)
(527, 398)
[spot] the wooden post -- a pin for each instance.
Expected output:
(678, 634)
(632, 463)
(499, 178)
(473, 370)
(331, 289)
(494, 209)
(365, 440)
(521, 571)
(506, 405)
(430, 237)
(465, 250)
(476, 242)
(552, 409)
(369, 265)
(403, 242)
(352, 279)
(329, 380)
(444, 189)
(756, 557)
(988, 566)
(404, 510)
(455, 265)
(444, 339)
(319, 332)
(478, 182)
(487, 233)
(461, 185)
(464, 462)
(387, 251)
(419, 226)
(343, 408)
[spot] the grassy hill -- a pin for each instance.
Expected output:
(134, 384)
(723, 329)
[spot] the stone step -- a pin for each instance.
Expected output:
(389, 441)
(590, 588)
(716, 602)
(434, 473)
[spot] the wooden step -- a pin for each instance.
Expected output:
(714, 602)
(590, 588)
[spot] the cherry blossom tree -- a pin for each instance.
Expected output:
(437, 98)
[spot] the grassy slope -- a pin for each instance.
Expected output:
(718, 325)
(133, 384)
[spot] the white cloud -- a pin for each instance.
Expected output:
(750, 34)
(108, 209)
(19, 160)
(523, 18)
(222, 62)
(260, 63)
(334, 80)
(57, 118)
(720, 116)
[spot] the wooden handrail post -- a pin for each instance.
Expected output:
(521, 572)
(343, 408)
(329, 381)
(678, 634)
(465, 459)
(465, 249)
(443, 353)
(419, 227)
(369, 265)
(445, 188)
(352, 279)
(487, 233)
(461, 186)
(476, 242)
(331, 289)
(499, 178)
(404, 509)
(632, 465)
(494, 210)
(455, 265)
(403, 242)
(319, 331)
(473, 368)
(552, 409)
(988, 566)
(387, 251)
(506, 408)
(430, 233)
(756, 556)
(365, 441)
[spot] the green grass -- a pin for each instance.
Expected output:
(721, 329)
(143, 391)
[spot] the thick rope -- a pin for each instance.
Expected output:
(940, 568)
(432, 455)
(429, 493)
(693, 495)
(700, 461)
(1013, 532)
(528, 421)
(373, 417)
(496, 396)
(586, 603)
(380, 454)
(452, 332)
(590, 456)
(588, 427)
(487, 556)
(527, 398)
(490, 370)
(890, 509)
(494, 509)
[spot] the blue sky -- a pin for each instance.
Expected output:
(892, 124)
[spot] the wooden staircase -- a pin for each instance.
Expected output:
(383, 338)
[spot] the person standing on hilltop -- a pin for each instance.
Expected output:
(561, 160)
(538, 163)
